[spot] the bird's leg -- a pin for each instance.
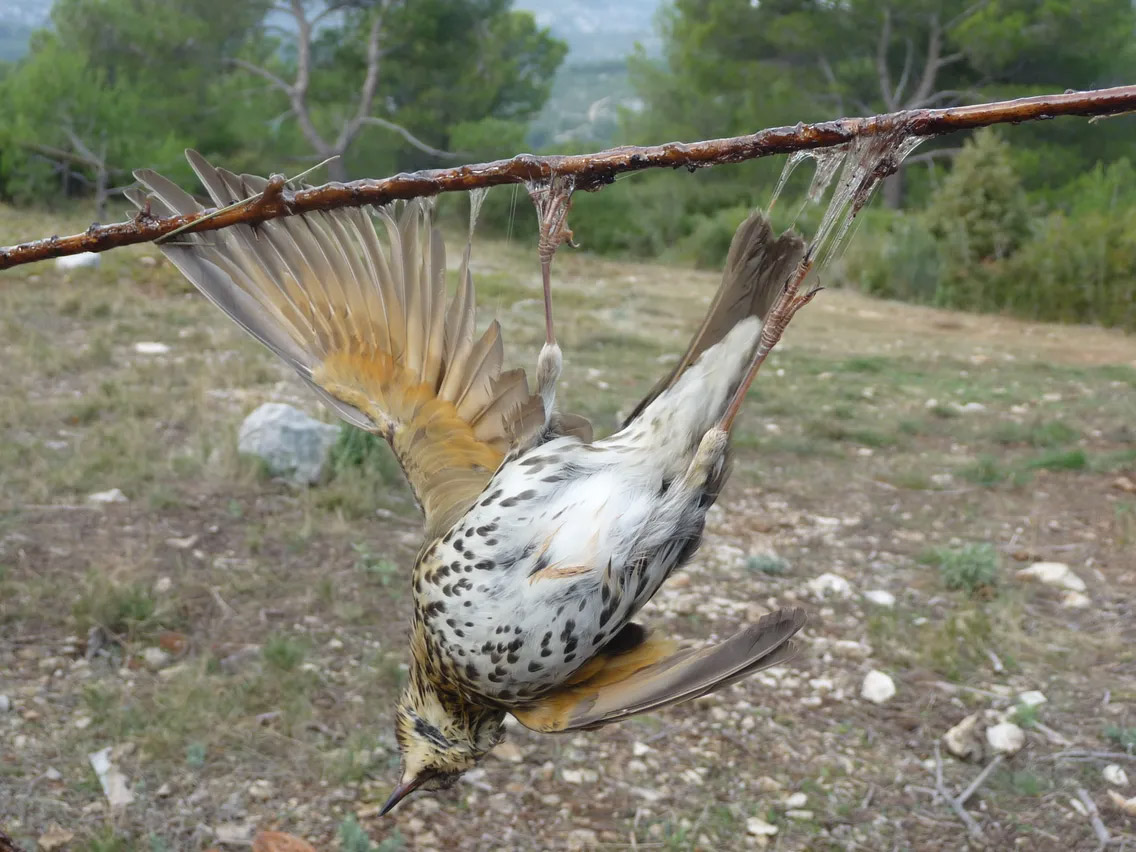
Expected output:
(708, 459)
(550, 361)
(552, 201)
(788, 303)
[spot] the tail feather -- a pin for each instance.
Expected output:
(757, 267)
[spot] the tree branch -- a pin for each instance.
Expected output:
(826, 69)
(882, 62)
(276, 82)
(590, 171)
(931, 66)
(410, 137)
(370, 81)
(905, 75)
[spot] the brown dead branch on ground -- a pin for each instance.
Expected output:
(589, 171)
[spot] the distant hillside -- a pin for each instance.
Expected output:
(598, 30)
(592, 84)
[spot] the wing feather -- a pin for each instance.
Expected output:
(370, 328)
(660, 672)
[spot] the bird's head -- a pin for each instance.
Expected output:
(438, 744)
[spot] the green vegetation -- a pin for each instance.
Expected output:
(972, 568)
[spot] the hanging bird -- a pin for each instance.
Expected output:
(540, 544)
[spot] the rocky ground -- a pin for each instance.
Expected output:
(229, 644)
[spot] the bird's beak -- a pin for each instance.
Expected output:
(403, 789)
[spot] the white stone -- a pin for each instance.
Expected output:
(508, 752)
(82, 722)
(260, 789)
(155, 658)
(1126, 805)
(961, 741)
(112, 496)
(1053, 574)
(877, 687)
(760, 828)
(572, 776)
(52, 774)
(115, 785)
(830, 584)
(970, 408)
(1032, 698)
(163, 585)
(1006, 737)
(640, 749)
(796, 800)
(5, 703)
(82, 260)
(799, 814)
(1075, 600)
(150, 347)
(288, 441)
(880, 597)
(233, 833)
(1115, 775)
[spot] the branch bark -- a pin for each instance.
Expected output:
(590, 171)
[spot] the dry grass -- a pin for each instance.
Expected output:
(283, 610)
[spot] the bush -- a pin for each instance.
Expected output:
(971, 568)
(981, 207)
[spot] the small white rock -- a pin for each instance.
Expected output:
(970, 408)
(961, 741)
(155, 658)
(149, 347)
(796, 800)
(1006, 737)
(260, 789)
(5, 703)
(508, 752)
(877, 687)
(82, 723)
(112, 496)
(163, 585)
(1075, 600)
(572, 776)
(1053, 574)
(760, 828)
(640, 749)
(880, 597)
(830, 584)
(78, 261)
(1115, 775)
(52, 774)
(1032, 698)
(799, 814)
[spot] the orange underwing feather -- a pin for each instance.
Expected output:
(659, 672)
(370, 328)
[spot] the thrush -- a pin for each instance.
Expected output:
(540, 544)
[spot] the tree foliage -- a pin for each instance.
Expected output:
(130, 83)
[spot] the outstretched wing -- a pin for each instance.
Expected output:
(660, 672)
(368, 326)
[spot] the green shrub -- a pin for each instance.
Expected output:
(971, 568)
(981, 208)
